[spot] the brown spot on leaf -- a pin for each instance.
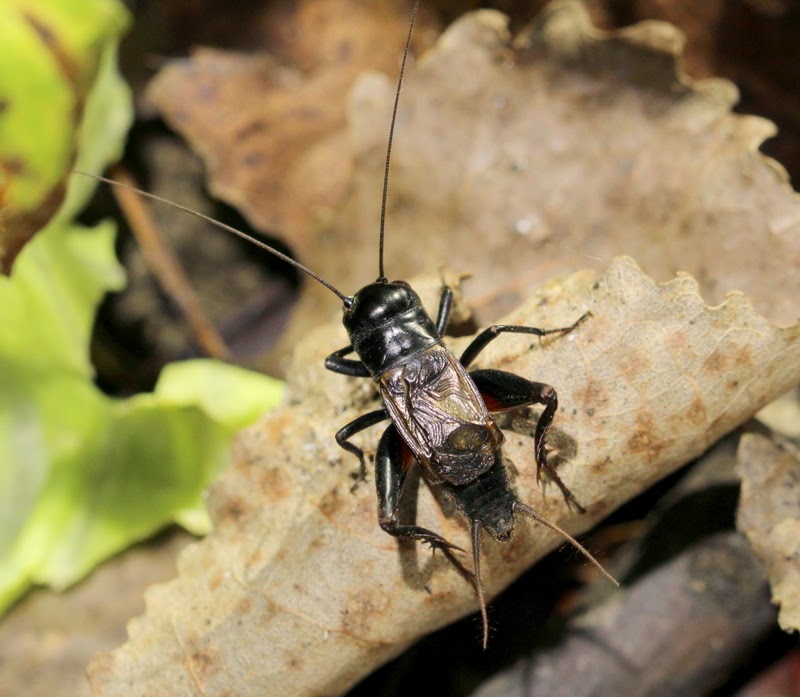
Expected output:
(273, 484)
(274, 429)
(249, 130)
(231, 510)
(644, 441)
(600, 466)
(345, 52)
(12, 166)
(695, 413)
(203, 662)
(633, 362)
(330, 504)
(245, 606)
(357, 617)
(255, 559)
(44, 32)
(715, 363)
(743, 357)
(677, 342)
(59, 52)
(594, 394)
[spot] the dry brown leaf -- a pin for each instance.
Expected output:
(48, 637)
(271, 126)
(513, 161)
(769, 514)
(561, 151)
(299, 592)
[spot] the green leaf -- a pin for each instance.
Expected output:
(51, 51)
(231, 395)
(49, 408)
(83, 475)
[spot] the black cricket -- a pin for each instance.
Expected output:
(440, 413)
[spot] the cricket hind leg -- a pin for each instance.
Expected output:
(391, 467)
(503, 391)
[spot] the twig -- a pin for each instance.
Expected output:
(165, 266)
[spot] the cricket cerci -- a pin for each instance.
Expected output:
(440, 413)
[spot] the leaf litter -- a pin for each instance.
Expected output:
(517, 159)
(298, 591)
(585, 145)
(271, 126)
(769, 515)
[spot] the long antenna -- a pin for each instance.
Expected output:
(223, 226)
(381, 275)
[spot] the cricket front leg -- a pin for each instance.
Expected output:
(344, 434)
(337, 363)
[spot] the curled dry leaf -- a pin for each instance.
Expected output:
(517, 159)
(572, 145)
(298, 591)
(769, 514)
(271, 125)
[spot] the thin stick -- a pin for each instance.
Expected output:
(164, 264)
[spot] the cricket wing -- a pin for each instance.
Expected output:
(441, 416)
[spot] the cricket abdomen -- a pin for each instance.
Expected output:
(488, 499)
